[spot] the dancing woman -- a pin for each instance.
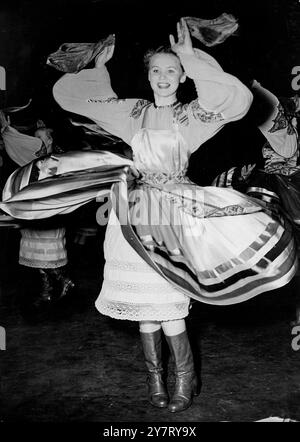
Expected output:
(214, 245)
(278, 183)
(42, 246)
(280, 179)
(281, 174)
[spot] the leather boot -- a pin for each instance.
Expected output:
(157, 392)
(46, 292)
(186, 385)
(66, 283)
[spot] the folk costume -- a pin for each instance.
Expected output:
(167, 240)
(219, 247)
(42, 245)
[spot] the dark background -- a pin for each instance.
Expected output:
(74, 365)
(266, 48)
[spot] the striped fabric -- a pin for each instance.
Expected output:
(28, 197)
(265, 263)
(268, 263)
(224, 179)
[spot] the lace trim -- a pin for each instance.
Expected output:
(140, 287)
(42, 264)
(128, 266)
(28, 247)
(205, 116)
(138, 312)
(60, 240)
(175, 103)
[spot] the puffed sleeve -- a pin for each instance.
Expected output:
(221, 97)
(19, 147)
(277, 129)
(89, 93)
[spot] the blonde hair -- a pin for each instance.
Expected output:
(160, 50)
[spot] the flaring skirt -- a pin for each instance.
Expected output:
(131, 288)
(287, 189)
(216, 245)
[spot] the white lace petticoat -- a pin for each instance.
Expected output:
(131, 289)
(44, 249)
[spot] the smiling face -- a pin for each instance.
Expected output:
(164, 74)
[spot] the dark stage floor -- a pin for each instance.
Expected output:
(72, 364)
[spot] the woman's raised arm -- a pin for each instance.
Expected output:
(89, 93)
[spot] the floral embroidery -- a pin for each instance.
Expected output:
(138, 107)
(164, 178)
(277, 164)
(281, 122)
(180, 114)
(235, 209)
(198, 210)
(205, 116)
(106, 100)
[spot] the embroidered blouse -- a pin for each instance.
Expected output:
(221, 98)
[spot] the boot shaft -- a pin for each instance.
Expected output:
(151, 343)
(46, 283)
(157, 393)
(180, 349)
(186, 385)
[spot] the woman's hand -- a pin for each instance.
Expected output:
(133, 173)
(184, 44)
(104, 55)
(246, 171)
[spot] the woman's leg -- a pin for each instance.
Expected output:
(46, 289)
(186, 385)
(44, 249)
(150, 332)
(172, 328)
(149, 326)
